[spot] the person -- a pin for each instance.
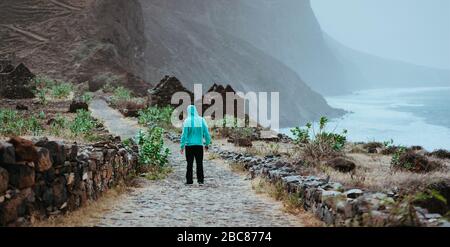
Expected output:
(194, 138)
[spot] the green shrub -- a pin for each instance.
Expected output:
(156, 116)
(35, 126)
(408, 160)
(87, 97)
(83, 123)
(15, 123)
(12, 123)
(301, 135)
(58, 125)
(61, 90)
(121, 94)
(151, 148)
(320, 145)
(42, 81)
(42, 95)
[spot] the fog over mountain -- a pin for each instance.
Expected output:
(194, 41)
(288, 31)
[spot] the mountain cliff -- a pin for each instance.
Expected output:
(289, 31)
(184, 40)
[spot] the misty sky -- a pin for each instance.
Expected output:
(416, 31)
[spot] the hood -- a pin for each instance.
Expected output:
(192, 110)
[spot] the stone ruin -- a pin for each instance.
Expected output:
(161, 94)
(15, 80)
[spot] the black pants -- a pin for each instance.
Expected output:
(197, 153)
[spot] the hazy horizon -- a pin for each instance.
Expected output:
(413, 31)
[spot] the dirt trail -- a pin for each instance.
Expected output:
(226, 199)
(113, 120)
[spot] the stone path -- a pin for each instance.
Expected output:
(114, 120)
(226, 199)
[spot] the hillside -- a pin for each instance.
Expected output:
(123, 41)
(77, 41)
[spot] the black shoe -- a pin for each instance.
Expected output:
(188, 183)
(201, 183)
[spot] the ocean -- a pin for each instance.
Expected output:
(409, 116)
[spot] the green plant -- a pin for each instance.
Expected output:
(61, 90)
(83, 123)
(396, 161)
(41, 115)
(58, 125)
(408, 160)
(42, 81)
(156, 115)
(12, 123)
(273, 149)
(389, 143)
(87, 97)
(120, 94)
(151, 148)
(301, 135)
(42, 95)
(322, 144)
(35, 126)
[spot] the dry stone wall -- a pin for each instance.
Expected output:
(43, 178)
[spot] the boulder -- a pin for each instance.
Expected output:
(24, 149)
(16, 207)
(21, 175)
(56, 149)
(7, 153)
(131, 109)
(78, 104)
(331, 198)
(354, 193)
(59, 192)
(4, 180)
(341, 164)
(436, 198)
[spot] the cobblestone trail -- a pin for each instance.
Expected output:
(226, 199)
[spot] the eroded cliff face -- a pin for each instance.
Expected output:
(185, 39)
(289, 31)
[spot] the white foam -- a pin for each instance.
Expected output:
(374, 119)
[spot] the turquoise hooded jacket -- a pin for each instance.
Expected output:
(195, 130)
